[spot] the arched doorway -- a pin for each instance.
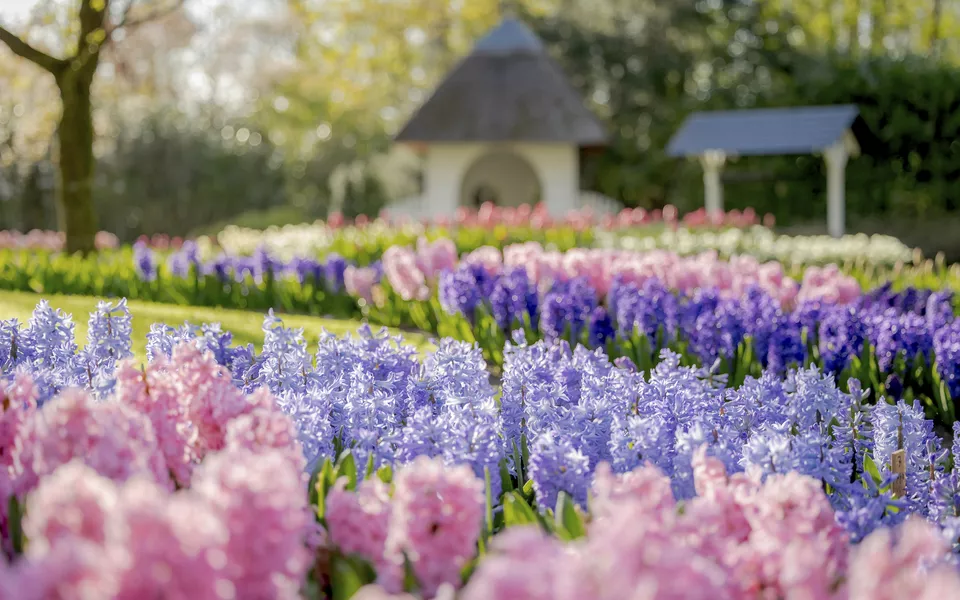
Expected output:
(503, 178)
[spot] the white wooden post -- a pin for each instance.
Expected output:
(836, 159)
(712, 161)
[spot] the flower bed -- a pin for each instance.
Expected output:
(53, 241)
(470, 229)
(740, 316)
(577, 477)
(763, 244)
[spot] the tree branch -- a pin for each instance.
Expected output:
(88, 51)
(127, 23)
(25, 50)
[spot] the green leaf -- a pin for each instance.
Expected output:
(488, 500)
(506, 481)
(385, 473)
(369, 471)
(871, 468)
(312, 487)
(568, 523)
(15, 517)
(528, 489)
(516, 511)
(325, 478)
(347, 467)
(467, 571)
(518, 465)
(345, 577)
(410, 584)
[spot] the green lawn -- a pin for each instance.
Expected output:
(245, 325)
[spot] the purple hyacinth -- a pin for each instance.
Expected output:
(219, 267)
(265, 264)
(894, 334)
(246, 266)
(109, 333)
(760, 315)
(946, 347)
(187, 257)
(162, 339)
(462, 290)
(513, 297)
(333, 268)
(903, 426)
(649, 308)
(809, 314)
(11, 351)
(939, 310)
(840, 337)
(179, 265)
(556, 465)
(567, 306)
(785, 348)
(600, 328)
(144, 261)
(712, 326)
(306, 270)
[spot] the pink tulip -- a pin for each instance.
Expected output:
(359, 281)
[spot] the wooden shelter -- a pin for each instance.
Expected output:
(832, 131)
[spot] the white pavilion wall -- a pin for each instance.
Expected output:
(556, 166)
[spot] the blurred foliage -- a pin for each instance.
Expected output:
(322, 86)
(654, 64)
(162, 178)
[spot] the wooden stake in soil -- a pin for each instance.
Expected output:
(898, 464)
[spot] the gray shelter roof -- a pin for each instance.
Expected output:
(764, 131)
(507, 89)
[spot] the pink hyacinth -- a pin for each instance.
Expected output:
(403, 273)
(154, 393)
(18, 405)
(73, 503)
(90, 538)
(908, 562)
(631, 550)
(828, 283)
(435, 257)
(110, 437)
(357, 522)
(646, 485)
(436, 519)
(261, 499)
(168, 546)
(73, 569)
(212, 398)
(683, 273)
(487, 257)
(523, 563)
(266, 428)
(376, 592)
(780, 535)
(359, 281)
(190, 401)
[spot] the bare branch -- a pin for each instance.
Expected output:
(126, 14)
(92, 50)
(127, 23)
(25, 50)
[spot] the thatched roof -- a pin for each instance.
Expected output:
(507, 90)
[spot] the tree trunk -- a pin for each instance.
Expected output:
(936, 18)
(77, 218)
